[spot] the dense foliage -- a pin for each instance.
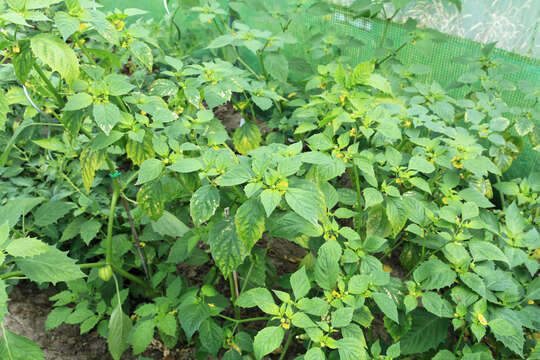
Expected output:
(117, 176)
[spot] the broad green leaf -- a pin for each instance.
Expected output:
(106, 116)
(236, 175)
(169, 225)
(89, 230)
(514, 342)
(358, 284)
(91, 161)
(204, 204)
(66, 24)
(57, 55)
(327, 265)
(397, 215)
(300, 283)
(104, 27)
(456, 254)
(192, 315)
(483, 250)
(372, 197)
(301, 320)
(379, 83)
(143, 53)
(150, 170)
(315, 306)
(270, 198)
(420, 164)
(277, 66)
(262, 102)
(247, 137)
(267, 340)
(351, 349)
(315, 353)
(502, 327)
(249, 221)
(140, 151)
(476, 197)
(119, 328)
(17, 347)
(436, 305)
(52, 144)
(142, 335)
(420, 184)
(56, 317)
(260, 297)
(52, 266)
(23, 62)
(78, 101)
(186, 165)
(387, 306)
(226, 248)
(423, 324)
(50, 212)
(514, 220)
(26, 247)
(307, 204)
(434, 274)
(342, 317)
(211, 336)
(151, 200)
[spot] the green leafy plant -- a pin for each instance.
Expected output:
(411, 242)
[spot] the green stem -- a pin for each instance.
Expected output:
(460, 339)
(393, 53)
(244, 320)
(233, 297)
(84, 50)
(503, 203)
(387, 25)
(246, 279)
(60, 101)
(11, 274)
(261, 60)
(129, 276)
(92, 265)
(108, 240)
(287, 343)
(358, 195)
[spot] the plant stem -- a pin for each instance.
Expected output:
(245, 282)
(459, 340)
(11, 274)
(129, 276)
(287, 343)
(244, 320)
(60, 101)
(356, 180)
(135, 238)
(503, 203)
(108, 240)
(233, 296)
(84, 49)
(393, 53)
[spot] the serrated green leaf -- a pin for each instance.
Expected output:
(150, 199)
(434, 274)
(436, 305)
(342, 317)
(50, 212)
(211, 336)
(351, 349)
(192, 315)
(150, 170)
(57, 55)
(247, 137)
(119, 328)
(483, 250)
(300, 283)
(306, 203)
(16, 347)
(143, 53)
(142, 335)
(89, 230)
(26, 247)
(203, 204)
(91, 161)
(277, 65)
(140, 151)
(327, 265)
(387, 306)
(420, 164)
(416, 341)
(186, 165)
(66, 24)
(226, 248)
(78, 101)
(315, 353)
(106, 116)
(267, 340)
(260, 297)
(56, 317)
(52, 266)
(372, 197)
(168, 224)
(250, 222)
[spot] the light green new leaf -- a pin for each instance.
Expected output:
(300, 283)
(387, 306)
(56, 54)
(119, 328)
(327, 265)
(204, 204)
(106, 116)
(150, 170)
(270, 198)
(66, 24)
(236, 175)
(342, 317)
(476, 197)
(267, 340)
(372, 197)
(26, 247)
(227, 249)
(142, 335)
(260, 297)
(78, 101)
(249, 221)
(420, 164)
(169, 225)
(52, 266)
(380, 83)
(434, 274)
(17, 347)
(186, 165)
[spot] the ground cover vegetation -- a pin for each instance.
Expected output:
(117, 176)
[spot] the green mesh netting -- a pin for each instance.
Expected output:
(439, 55)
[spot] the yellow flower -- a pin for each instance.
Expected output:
(286, 325)
(284, 184)
(482, 319)
(142, 244)
(353, 132)
(339, 155)
(16, 49)
(387, 268)
(143, 113)
(408, 124)
(291, 94)
(124, 44)
(119, 24)
(209, 21)
(530, 302)
(82, 26)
